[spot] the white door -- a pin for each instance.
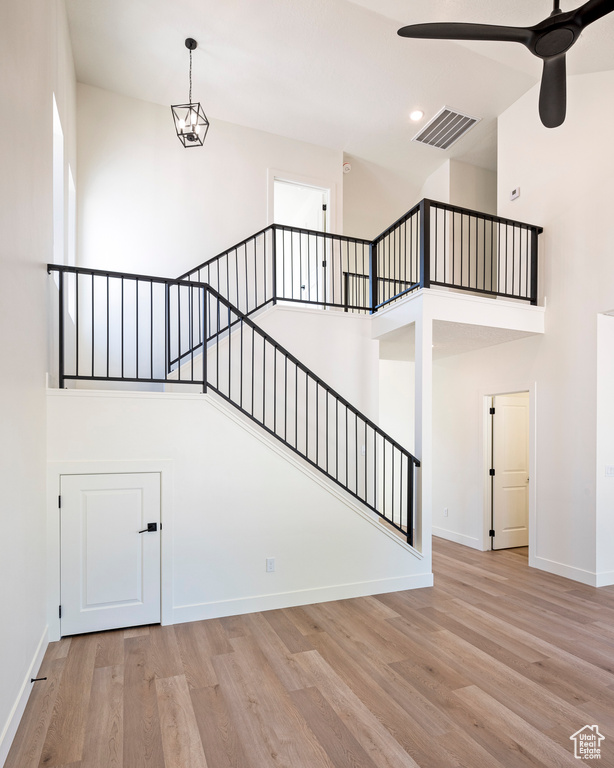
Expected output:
(510, 483)
(110, 561)
(305, 207)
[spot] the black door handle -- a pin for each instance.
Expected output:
(151, 528)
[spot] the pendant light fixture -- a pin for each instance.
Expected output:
(191, 122)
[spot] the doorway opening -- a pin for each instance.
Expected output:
(301, 205)
(508, 464)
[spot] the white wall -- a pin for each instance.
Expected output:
(473, 187)
(374, 198)
(462, 184)
(565, 184)
(148, 205)
(336, 346)
(235, 500)
(36, 61)
(397, 400)
(605, 448)
(437, 185)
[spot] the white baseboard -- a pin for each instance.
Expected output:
(604, 579)
(10, 727)
(569, 571)
(458, 538)
(216, 610)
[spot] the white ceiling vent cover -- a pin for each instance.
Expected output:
(446, 128)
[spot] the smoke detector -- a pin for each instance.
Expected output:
(347, 167)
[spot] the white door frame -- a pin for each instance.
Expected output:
(485, 397)
(334, 204)
(55, 470)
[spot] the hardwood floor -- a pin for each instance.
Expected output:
(494, 667)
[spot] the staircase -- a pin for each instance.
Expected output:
(199, 330)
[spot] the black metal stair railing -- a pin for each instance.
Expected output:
(433, 244)
(141, 329)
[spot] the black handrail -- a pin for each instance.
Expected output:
(126, 327)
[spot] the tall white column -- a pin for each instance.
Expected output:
(424, 428)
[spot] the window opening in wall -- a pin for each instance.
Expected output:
(72, 238)
(58, 187)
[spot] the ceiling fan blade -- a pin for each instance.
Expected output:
(460, 31)
(593, 10)
(553, 92)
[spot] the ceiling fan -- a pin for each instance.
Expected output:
(549, 40)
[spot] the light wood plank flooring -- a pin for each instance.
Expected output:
(494, 667)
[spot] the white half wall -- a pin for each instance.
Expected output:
(148, 205)
(238, 497)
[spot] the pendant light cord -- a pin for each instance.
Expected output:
(190, 98)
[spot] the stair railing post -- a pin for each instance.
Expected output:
(61, 329)
(534, 241)
(373, 297)
(204, 332)
(274, 262)
(425, 243)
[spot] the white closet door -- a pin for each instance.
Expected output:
(110, 569)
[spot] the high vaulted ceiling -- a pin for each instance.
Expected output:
(330, 72)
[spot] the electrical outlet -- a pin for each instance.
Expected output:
(362, 451)
(445, 511)
(270, 565)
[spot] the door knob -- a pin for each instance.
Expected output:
(151, 528)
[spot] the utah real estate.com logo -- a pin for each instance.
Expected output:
(587, 743)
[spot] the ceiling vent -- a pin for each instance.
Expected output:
(446, 128)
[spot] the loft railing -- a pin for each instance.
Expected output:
(433, 244)
(136, 328)
(282, 263)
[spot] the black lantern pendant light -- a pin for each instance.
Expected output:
(191, 122)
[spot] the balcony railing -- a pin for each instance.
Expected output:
(433, 244)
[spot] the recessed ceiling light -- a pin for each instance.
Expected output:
(416, 115)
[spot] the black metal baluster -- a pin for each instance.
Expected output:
(336, 438)
(191, 332)
(136, 325)
(263, 381)
(93, 324)
(204, 332)
(356, 449)
(327, 425)
(167, 330)
(77, 322)
(392, 483)
(217, 347)
(317, 423)
(108, 328)
(255, 273)
(253, 401)
(513, 258)
(306, 415)
(151, 330)
(241, 365)
(229, 323)
(61, 339)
